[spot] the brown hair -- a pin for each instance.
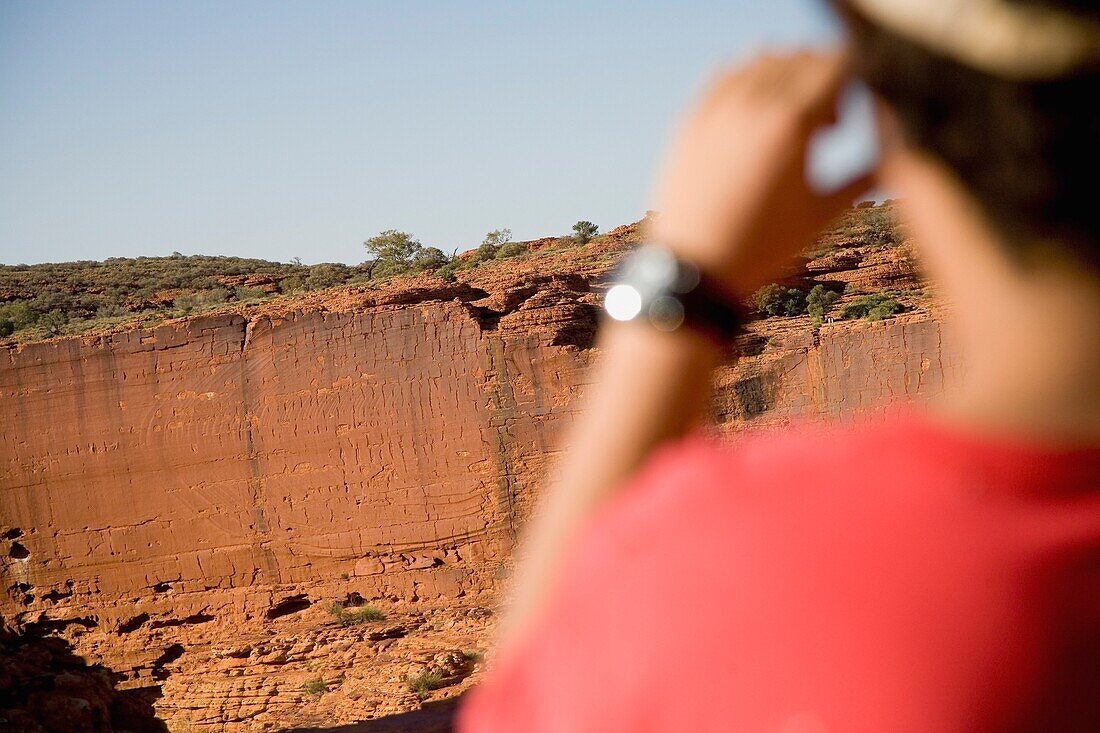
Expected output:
(1029, 152)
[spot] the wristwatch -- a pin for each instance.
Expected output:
(654, 286)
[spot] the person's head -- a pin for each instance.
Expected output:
(1016, 119)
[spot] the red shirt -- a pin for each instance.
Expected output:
(895, 576)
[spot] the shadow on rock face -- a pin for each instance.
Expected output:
(46, 688)
(433, 717)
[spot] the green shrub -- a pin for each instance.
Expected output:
(392, 252)
(326, 275)
(491, 245)
(485, 252)
(881, 226)
(54, 322)
(198, 301)
(111, 310)
(583, 231)
(873, 307)
(777, 300)
(424, 682)
(245, 293)
(118, 287)
(315, 686)
(510, 249)
(16, 316)
(429, 258)
(447, 272)
(356, 615)
(818, 303)
(383, 270)
(292, 284)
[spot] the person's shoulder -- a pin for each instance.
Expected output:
(782, 459)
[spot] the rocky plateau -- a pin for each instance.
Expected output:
(182, 506)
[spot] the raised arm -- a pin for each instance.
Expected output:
(734, 201)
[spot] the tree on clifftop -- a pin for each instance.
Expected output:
(493, 242)
(583, 231)
(393, 246)
(392, 252)
(429, 258)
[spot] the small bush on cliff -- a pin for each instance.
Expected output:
(315, 686)
(429, 258)
(447, 272)
(16, 316)
(818, 303)
(777, 300)
(121, 287)
(245, 293)
(510, 249)
(491, 247)
(424, 682)
(356, 615)
(326, 275)
(583, 231)
(493, 241)
(190, 302)
(874, 307)
(292, 284)
(54, 322)
(392, 246)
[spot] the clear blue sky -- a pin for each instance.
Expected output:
(283, 129)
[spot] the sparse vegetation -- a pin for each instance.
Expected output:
(89, 294)
(397, 253)
(355, 615)
(510, 249)
(392, 249)
(777, 300)
(497, 244)
(583, 231)
(866, 223)
(429, 258)
(819, 302)
(54, 322)
(493, 241)
(245, 293)
(41, 301)
(447, 272)
(424, 682)
(315, 686)
(873, 307)
(14, 316)
(327, 275)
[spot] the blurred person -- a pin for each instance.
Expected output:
(937, 569)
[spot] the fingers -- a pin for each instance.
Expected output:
(815, 84)
(804, 82)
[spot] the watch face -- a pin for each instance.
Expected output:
(652, 270)
(655, 287)
(650, 279)
(666, 313)
(623, 302)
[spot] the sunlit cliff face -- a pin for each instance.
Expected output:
(186, 503)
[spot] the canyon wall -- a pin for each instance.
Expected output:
(173, 499)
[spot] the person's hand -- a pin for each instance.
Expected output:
(733, 197)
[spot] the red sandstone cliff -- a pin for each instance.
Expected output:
(184, 503)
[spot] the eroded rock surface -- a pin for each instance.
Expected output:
(184, 504)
